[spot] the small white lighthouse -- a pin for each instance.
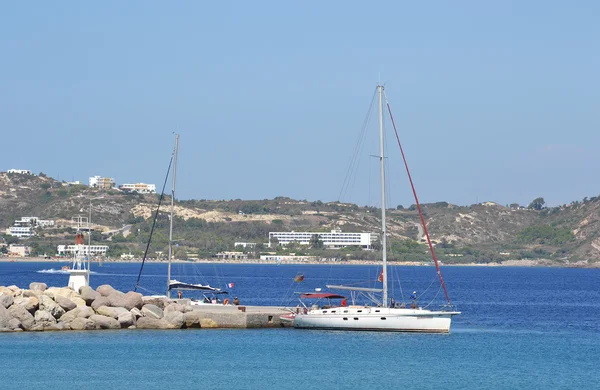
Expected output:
(80, 271)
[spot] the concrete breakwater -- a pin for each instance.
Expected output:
(40, 308)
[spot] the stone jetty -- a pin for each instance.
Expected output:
(40, 308)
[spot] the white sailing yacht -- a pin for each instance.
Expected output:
(381, 317)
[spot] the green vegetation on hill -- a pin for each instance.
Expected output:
(484, 232)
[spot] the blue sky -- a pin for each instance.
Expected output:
(493, 100)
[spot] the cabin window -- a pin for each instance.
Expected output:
(377, 311)
(360, 311)
(345, 311)
(345, 318)
(383, 318)
(333, 311)
(356, 318)
(324, 311)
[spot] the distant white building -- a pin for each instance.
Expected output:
(34, 221)
(45, 223)
(19, 250)
(103, 183)
(70, 250)
(20, 171)
(232, 256)
(245, 244)
(20, 231)
(333, 239)
(141, 188)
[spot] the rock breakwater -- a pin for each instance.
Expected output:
(40, 308)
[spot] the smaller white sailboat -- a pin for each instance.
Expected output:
(210, 294)
(383, 317)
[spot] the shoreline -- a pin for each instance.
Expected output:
(507, 263)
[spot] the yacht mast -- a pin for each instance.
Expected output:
(172, 209)
(382, 172)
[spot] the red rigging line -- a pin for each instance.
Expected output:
(437, 266)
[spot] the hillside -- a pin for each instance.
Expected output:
(479, 233)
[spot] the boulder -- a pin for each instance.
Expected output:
(152, 311)
(107, 311)
(106, 290)
(137, 313)
(128, 301)
(175, 319)
(151, 323)
(15, 289)
(70, 315)
(32, 304)
(88, 294)
(65, 302)
(101, 301)
(85, 312)
(6, 300)
(120, 310)
(20, 313)
(160, 302)
(60, 325)
(174, 307)
(191, 319)
(37, 286)
(78, 301)
(31, 293)
(80, 323)
(104, 322)
(44, 318)
(208, 323)
(6, 291)
(47, 304)
(126, 319)
(15, 324)
(5, 317)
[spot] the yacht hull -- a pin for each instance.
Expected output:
(376, 319)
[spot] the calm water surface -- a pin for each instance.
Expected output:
(520, 328)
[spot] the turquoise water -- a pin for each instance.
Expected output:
(521, 328)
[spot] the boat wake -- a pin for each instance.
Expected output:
(57, 271)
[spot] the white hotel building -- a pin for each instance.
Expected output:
(20, 171)
(141, 188)
(333, 239)
(82, 249)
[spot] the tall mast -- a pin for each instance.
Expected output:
(382, 173)
(172, 212)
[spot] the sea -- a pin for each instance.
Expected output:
(520, 328)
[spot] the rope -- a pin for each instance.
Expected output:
(150, 291)
(437, 266)
(436, 294)
(162, 195)
(356, 154)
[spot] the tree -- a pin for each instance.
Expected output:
(537, 204)
(315, 242)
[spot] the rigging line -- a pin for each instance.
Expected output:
(437, 266)
(355, 160)
(356, 152)
(433, 299)
(428, 287)
(285, 298)
(162, 195)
